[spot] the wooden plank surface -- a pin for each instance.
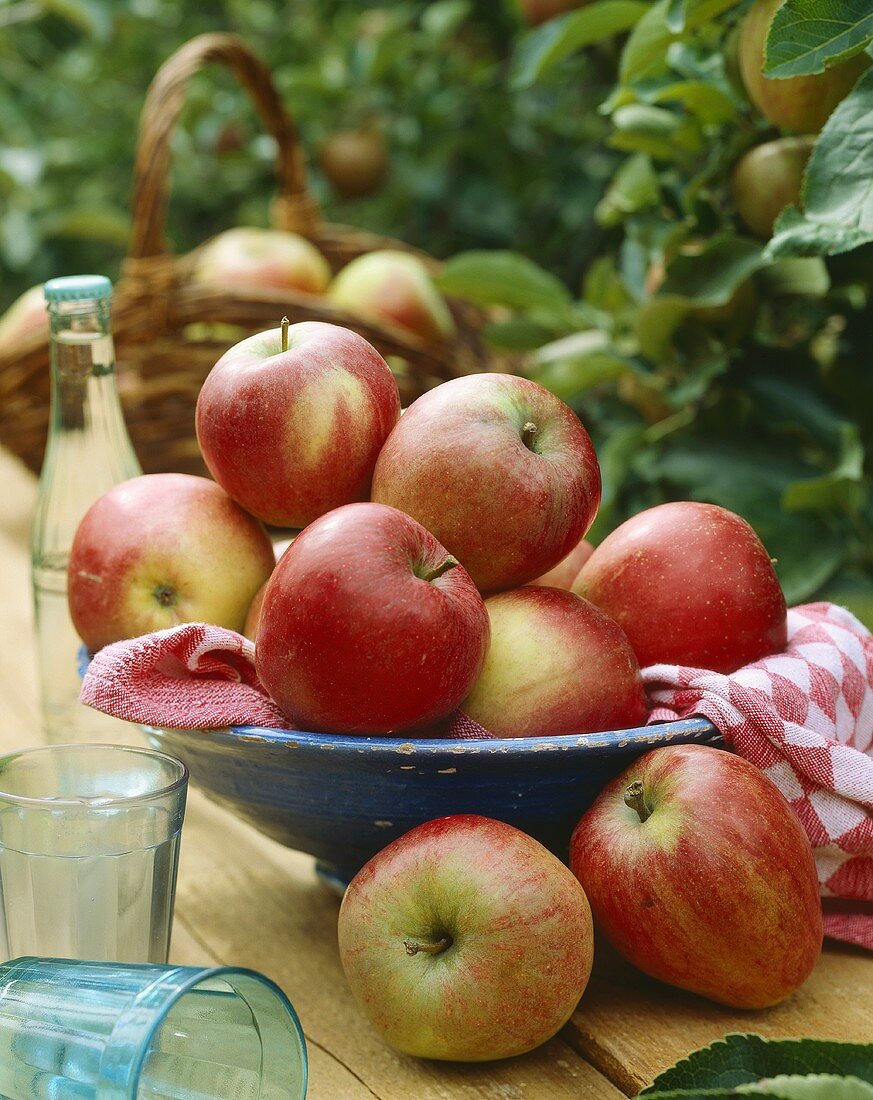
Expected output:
(244, 900)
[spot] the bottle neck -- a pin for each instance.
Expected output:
(81, 352)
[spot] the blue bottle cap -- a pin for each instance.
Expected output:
(74, 288)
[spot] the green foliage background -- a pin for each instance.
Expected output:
(567, 165)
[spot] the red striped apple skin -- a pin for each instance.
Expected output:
(556, 665)
(690, 584)
(160, 550)
(354, 639)
(520, 950)
(716, 892)
(508, 502)
(291, 435)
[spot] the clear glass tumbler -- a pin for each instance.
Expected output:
(99, 1031)
(89, 847)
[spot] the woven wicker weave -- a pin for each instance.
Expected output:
(162, 317)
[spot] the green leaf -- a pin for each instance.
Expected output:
(807, 36)
(800, 275)
(675, 18)
(90, 16)
(814, 1086)
(444, 17)
(840, 488)
(502, 279)
(711, 277)
(710, 104)
(749, 1059)
(838, 185)
(634, 186)
(517, 334)
(646, 48)
(542, 48)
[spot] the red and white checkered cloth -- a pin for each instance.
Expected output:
(805, 717)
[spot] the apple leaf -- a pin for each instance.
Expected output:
(838, 185)
(807, 36)
(711, 277)
(502, 279)
(647, 46)
(634, 186)
(749, 1060)
(540, 49)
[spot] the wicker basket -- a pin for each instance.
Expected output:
(162, 318)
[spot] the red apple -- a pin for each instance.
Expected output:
(700, 873)
(393, 287)
(799, 103)
(292, 434)
(556, 665)
(369, 626)
(500, 470)
(567, 570)
(249, 257)
(690, 584)
(160, 550)
(466, 940)
(355, 162)
(767, 179)
(27, 315)
(535, 12)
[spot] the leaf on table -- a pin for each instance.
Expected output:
(542, 48)
(807, 36)
(813, 1086)
(838, 185)
(502, 279)
(750, 1059)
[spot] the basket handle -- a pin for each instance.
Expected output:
(295, 209)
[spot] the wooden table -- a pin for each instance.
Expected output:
(244, 900)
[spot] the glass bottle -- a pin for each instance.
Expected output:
(88, 451)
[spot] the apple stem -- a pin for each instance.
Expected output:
(635, 798)
(413, 948)
(443, 567)
(528, 434)
(285, 324)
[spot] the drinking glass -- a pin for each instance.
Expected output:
(89, 846)
(100, 1031)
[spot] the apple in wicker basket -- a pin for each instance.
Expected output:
(499, 469)
(556, 665)
(393, 287)
(369, 626)
(290, 421)
(249, 257)
(160, 550)
(466, 940)
(690, 584)
(700, 873)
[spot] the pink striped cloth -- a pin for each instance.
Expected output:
(805, 717)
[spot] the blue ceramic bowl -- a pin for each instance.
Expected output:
(341, 799)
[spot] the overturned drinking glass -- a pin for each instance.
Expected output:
(89, 847)
(99, 1031)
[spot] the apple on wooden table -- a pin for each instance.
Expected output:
(394, 287)
(160, 550)
(251, 257)
(290, 421)
(499, 469)
(700, 874)
(466, 940)
(556, 665)
(690, 584)
(369, 626)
